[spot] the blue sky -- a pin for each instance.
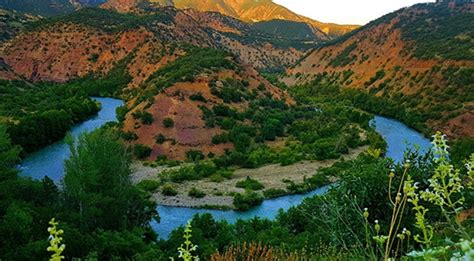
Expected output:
(346, 11)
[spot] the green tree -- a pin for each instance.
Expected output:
(97, 187)
(168, 123)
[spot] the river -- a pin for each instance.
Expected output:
(50, 162)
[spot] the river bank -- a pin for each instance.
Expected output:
(220, 194)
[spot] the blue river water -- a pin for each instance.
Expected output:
(50, 162)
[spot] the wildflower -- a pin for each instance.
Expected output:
(55, 241)
(377, 226)
(407, 164)
(398, 198)
(392, 174)
(366, 213)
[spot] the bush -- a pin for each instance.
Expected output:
(129, 136)
(169, 190)
(250, 184)
(243, 202)
(194, 155)
(149, 185)
(197, 97)
(145, 117)
(196, 193)
(160, 138)
(141, 151)
(274, 193)
(168, 123)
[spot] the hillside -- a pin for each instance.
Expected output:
(419, 58)
(81, 46)
(12, 22)
(188, 93)
(82, 3)
(125, 55)
(257, 11)
(39, 7)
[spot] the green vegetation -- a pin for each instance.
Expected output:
(274, 193)
(39, 7)
(308, 133)
(103, 19)
(439, 32)
(250, 184)
(186, 68)
(100, 211)
(38, 115)
(149, 185)
(326, 88)
(344, 58)
(352, 221)
(286, 29)
(141, 151)
(246, 201)
(42, 113)
(168, 123)
(195, 171)
(196, 193)
(197, 97)
(145, 117)
(169, 190)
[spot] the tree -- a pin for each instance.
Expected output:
(168, 123)
(141, 151)
(97, 186)
(9, 155)
(24, 207)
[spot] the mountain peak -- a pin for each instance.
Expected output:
(251, 11)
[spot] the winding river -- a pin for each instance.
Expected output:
(50, 162)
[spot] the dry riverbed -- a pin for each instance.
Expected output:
(219, 194)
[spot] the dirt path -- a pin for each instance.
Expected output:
(218, 194)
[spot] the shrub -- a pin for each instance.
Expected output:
(250, 184)
(220, 175)
(246, 201)
(274, 193)
(169, 190)
(160, 138)
(149, 185)
(129, 136)
(168, 123)
(145, 117)
(196, 193)
(141, 151)
(194, 155)
(197, 97)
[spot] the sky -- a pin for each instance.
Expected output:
(346, 11)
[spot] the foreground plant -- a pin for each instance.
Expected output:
(187, 248)
(445, 188)
(55, 238)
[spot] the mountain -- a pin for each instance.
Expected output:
(421, 58)
(12, 22)
(177, 115)
(82, 3)
(262, 10)
(287, 29)
(159, 63)
(39, 7)
(250, 11)
(59, 49)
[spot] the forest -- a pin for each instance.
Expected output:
(42, 113)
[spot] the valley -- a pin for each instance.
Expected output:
(240, 126)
